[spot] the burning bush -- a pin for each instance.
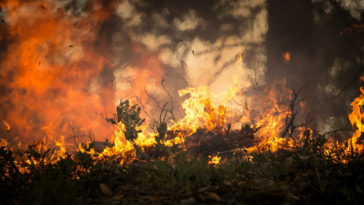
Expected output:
(212, 163)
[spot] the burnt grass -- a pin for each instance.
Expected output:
(176, 175)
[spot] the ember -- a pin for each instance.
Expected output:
(287, 56)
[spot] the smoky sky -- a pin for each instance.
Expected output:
(158, 47)
(197, 42)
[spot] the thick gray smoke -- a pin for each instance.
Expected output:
(198, 43)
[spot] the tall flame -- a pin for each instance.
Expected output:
(52, 68)
(356, 118)
(200, 111)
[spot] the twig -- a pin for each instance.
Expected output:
(290, 120)
(170, 98)
(338, 130)
(165, 115)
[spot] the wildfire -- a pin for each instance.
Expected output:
(56, 86)
(201, 113)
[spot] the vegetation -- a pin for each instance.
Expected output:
(304, 174)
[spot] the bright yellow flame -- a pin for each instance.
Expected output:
(200, 112)
(215, 160)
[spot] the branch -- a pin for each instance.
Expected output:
(170, 98)
(338, 130)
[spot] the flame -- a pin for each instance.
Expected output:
(55, 85)
(356, 118)
(239, 57)
(194, 106)
(7, 125)
(287, 56)
(200, 112)
(121, 145)
(215, 160)
(3, 143)
(271, 120)
(53, 66)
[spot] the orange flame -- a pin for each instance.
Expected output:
(287, 56)
(200, 111)
(271, 122)
(54, 69)
(356, 118)
(7, 126)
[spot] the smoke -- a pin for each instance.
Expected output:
(325, 53)
(355, 7)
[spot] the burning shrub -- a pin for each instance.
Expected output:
(211, 163)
